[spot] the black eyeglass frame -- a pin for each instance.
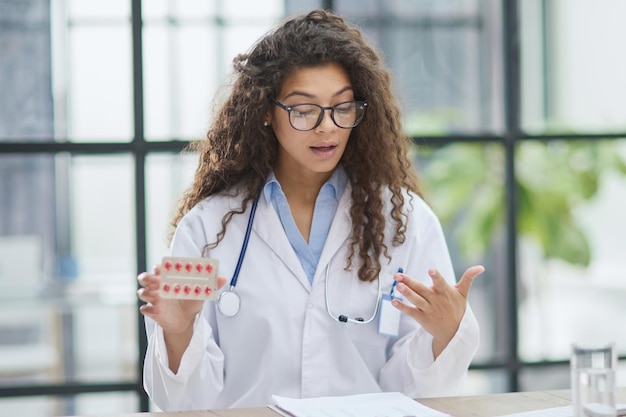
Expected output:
(357, 103)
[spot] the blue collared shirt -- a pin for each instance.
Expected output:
(323, 214)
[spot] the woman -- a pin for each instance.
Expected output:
(308, 150)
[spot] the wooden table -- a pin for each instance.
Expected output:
(491, 405)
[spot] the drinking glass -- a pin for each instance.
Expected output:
(593, 379)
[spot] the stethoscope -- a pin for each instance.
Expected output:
(229, 303)
(342, 318)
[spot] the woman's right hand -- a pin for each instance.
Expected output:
(173, 315)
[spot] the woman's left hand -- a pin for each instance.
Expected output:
(439, 308)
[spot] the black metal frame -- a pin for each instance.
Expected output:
(139, 148)
(511, 56)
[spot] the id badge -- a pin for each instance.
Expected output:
(389, 319)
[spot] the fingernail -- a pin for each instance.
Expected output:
(432, 272)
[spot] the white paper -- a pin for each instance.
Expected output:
(565, 411)
(385, 404)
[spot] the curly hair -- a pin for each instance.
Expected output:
(239, 152)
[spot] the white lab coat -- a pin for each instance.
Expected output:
(283, 341)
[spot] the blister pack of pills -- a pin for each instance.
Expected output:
(189, 278)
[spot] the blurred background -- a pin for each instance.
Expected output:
(517, 113)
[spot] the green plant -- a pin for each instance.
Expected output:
(465, 184)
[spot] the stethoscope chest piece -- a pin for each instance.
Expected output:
(228, 303)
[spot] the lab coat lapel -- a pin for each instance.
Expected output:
(339, 231)
(269, 228)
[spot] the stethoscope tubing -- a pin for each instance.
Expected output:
(343, 318)
(244, 247)
(228, 302)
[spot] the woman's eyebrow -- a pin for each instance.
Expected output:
(312, 96)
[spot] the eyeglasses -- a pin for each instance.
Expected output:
(305, 117)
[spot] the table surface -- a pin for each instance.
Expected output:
(490, 405)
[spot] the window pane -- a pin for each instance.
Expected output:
(31, 406)
(571, 226)
(414, 8)
(186, 61)
(302, 6)
(465, 187)
(185, 9)
(551, 377)
(26, 111)
(445, 60)
(545, 378)
(84, 405)
(254, 10)
(573, 79)
(167, 176)
(103, 217)
(81, 9)
(67, 264)
(106, 404)
(31, 349)
(485, 382)
(181, 76)
(99, 90)
(238, 39)
(64, 78)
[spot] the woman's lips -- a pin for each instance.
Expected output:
(324, 151)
